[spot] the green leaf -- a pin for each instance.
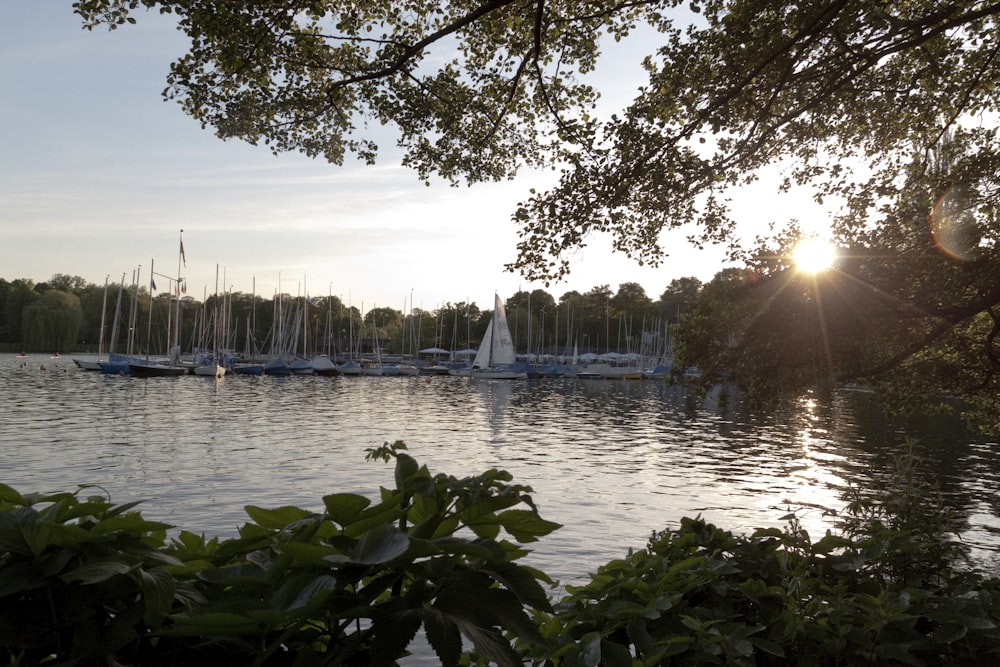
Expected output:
(639, 635)
(343, 508)
(768, 646)
(276, 519)
(406, 467)
(9, 495)
(491, 645)
(14, 525)
(381, 545)
(521, 582)
(158, 589)
(486, 527)
(313, 555)
(377, 546)
(305, 592)
(393, 632)
(590, 649)
(526, 526)
(96, 572)
(221, 624)
(950, 632)
(129, 523)
(615, 655)
(979, 623)
(443, 636)
(377, 515)
(17, 577)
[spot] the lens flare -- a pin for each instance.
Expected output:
(953, 226)
(814, 254)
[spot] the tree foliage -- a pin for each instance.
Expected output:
(841, 96)
(910, 307)
(553, 326)
(53, 322)
(883, 111)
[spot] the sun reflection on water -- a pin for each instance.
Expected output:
(610, 460)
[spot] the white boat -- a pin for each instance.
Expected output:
(372, 368)
(210, 369)
(349, 367)
(407, 369)
(301, 366)
(496, 353)
(277, 366)
(322, 365)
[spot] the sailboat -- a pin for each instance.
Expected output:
(211, 366)
(373, 366)
(90, 364)
(171, 367)
(496, 353)
(322, 364)
(117, 364)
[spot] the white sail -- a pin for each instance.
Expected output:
(482, 359)
(497, 348)
(503, 344)
(496, 352)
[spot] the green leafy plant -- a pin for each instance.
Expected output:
(890, 587)
(82, 580)
(904, 528)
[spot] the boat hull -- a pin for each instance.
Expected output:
(155, 370)
(497, 374)
(210, 370)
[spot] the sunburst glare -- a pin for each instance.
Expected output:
(814, 254)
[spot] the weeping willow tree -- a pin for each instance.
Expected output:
(53, 322)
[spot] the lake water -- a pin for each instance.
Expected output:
(612, 460)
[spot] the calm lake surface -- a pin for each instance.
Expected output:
(611, 460)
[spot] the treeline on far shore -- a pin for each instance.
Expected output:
(68, 314)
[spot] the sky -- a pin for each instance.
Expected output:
(99, 175)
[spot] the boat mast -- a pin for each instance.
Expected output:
(493, 330)
(114, 325)
(104, 308)
(133, 315)
(149, 323)
(329, 313)
(177, 303)
(305, 319)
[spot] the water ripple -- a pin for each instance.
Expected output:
(612, 461)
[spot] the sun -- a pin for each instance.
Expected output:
(814, 254)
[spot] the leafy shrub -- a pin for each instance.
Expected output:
(80, 579)
(884, 590)
(83, 581)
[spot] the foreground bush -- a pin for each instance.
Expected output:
(699, 595)
(86, 582)
(885, 590)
